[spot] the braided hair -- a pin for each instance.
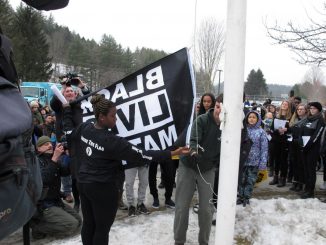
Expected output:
(101, 105)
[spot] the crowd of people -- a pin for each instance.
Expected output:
(296, 143)
(288, 140)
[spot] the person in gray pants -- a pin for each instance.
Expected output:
(198, 169)
(130, 176)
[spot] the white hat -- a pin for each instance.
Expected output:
(34, 103)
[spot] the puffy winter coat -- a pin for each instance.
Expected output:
(258, 154)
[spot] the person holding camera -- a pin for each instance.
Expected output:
(70, 94)
(54, 216)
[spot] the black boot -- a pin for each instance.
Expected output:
(281, 182)
(294, 186)
(239, 201)
(274, 181)
(245, 202)
(299, 187)
(308, 194)
(271, 172)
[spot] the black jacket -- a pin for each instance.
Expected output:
(77, 112)
(312, 127)
(207, 134)
(51, 176)
(99, 152)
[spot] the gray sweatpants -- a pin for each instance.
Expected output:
(186, 182)
(58, 221)
(130, 176)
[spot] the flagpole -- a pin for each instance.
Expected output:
(231, 134)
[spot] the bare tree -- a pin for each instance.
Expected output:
(315, 75)
(210, 47)
(313, 85)
(308, 43)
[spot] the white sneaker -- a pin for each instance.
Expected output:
(323, 186)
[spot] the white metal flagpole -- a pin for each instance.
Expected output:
(231, 134)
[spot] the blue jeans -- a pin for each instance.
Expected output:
(249, 177)
(66, 184)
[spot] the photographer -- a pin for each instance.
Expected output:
(55, 217)
(70, 94)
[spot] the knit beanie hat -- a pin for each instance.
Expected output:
(34, 103)
(42, 140)
(317, 105)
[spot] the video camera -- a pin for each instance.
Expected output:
(70, 79)
(65, 145)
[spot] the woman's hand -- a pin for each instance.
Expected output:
(282, 130)
(65, 105)
(181, 151)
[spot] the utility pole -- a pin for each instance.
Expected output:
(219, 81)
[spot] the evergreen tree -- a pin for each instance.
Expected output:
(35, 38)
(146, 56)
(110, 52)
(31, 47)
(6, 15)
(77, 52)
(127, 61)
(256, 83)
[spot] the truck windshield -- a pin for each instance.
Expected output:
(30, 91)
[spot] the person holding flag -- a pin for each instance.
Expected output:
(198, 171)
(100, 153)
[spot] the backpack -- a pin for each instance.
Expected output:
(47, 4)
(20, 174)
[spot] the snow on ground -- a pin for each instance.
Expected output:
(274, 221)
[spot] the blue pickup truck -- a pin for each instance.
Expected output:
(40, 91)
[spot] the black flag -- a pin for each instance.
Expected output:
(155, 105)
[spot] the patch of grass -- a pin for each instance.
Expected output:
(242, 241)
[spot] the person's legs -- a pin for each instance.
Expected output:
(88, 226)
(276, 158)
(168, 176)
(323, 185)
(56, 221)
(143, 183)
(186, 184)
(66, 188)
(284, 164)
(152, 179)
(310, 163)
(205, 183)
(250, 182)
(121, 181)
(216, 178)
(271, 159)
(75, 193)
(103, 198)
(242, 183)
(74, 213)
(130, 175)
(301, 178)
(291, 163)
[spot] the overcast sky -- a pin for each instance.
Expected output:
(169, 25)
